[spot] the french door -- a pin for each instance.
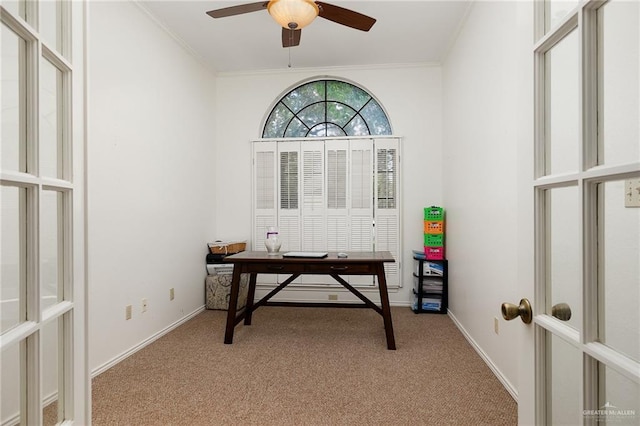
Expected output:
(585, 365)
(42, 330)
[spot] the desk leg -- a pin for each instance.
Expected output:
(386, 309)
(233, 305)
(250, 296)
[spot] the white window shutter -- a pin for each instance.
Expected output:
(361, 194)
(264, 191)
(330, 195)
(387, 238)
(387, 202)
(360, 201)
(265, 199)
(337, 181)
(289, 195)
(313, 197)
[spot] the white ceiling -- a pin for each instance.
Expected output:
(406, 32)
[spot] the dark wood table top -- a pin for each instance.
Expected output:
(352, 257)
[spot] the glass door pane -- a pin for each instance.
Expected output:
(618, 400)
(51, 138)
(51, 24)
(13, 101)
(13, 255)
(562, 112)
(564, 381)
(619, 82)
(564, 254)
(51, 389)
(556, 10)
(16, 7)
(619, 275)
(51, 248)
(10, 385)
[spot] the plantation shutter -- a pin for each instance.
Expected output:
(361, 200)
(314, 230)
(264, 191)
(265, 195)
(387, 226)
(329, 195)
(289, 191)
(361, 232)
(337, 174)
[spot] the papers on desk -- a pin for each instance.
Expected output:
(312, 254)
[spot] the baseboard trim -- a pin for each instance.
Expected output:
(104, 367)
(507, 385)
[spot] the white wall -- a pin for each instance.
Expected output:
(412, 98)
(151, 178)
(484, 79)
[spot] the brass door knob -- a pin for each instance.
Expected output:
(523, 310)
(562, 311)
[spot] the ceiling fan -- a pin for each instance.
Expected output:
(293, 15)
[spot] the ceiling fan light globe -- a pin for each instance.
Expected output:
(293, 14)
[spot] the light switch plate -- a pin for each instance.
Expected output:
(632, 193)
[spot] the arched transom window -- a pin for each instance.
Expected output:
(326, 108)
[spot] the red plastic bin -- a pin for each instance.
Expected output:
(434, 253)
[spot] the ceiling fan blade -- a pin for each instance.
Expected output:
(346, 17)
(290, 38)
(238, 10)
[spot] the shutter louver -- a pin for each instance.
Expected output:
(337, 184)
(312, 175)
(386, 178)
(289, 211)
(265, 180)
(337, 179)
(361, 233)
(337, 233)
(361, 175)
(289, 233)
(313, 218)
(289, 180)
(387, 238)
(313, 233)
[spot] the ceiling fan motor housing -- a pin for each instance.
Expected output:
(293, 14)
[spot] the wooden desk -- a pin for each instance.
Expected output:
(259, 262)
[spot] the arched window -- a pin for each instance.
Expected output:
(326, 108)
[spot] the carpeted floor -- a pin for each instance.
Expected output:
(305, 366)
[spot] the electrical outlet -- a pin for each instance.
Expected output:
(172, 294)
(495, 325)
(632, 193)
(333, 297)
(127, 312)
(145, 305)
